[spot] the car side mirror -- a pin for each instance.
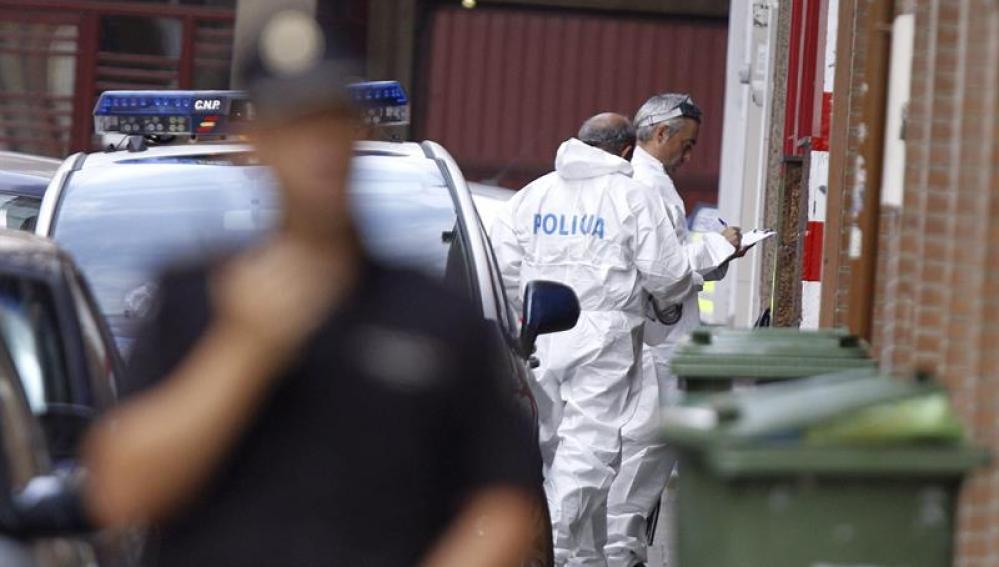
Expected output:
(549, 307)
(64, 426)
(50, 505)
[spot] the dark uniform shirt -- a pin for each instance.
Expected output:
(396, 411)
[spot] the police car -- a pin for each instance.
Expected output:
(58, 370)
(23, 178)
(157, 196)
(56, 339)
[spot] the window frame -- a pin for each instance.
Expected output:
(80, 297)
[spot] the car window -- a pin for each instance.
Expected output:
(23, 457)
(508, 319)
(20, 445)
(30, 331)
(125, 223)
(99, 354)
(490, 202)
(19, 213)
(406, 217)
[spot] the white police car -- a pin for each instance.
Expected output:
(126, 213)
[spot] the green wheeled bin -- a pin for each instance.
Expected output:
(715, 358)
(849, 470)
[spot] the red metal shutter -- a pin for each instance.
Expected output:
(505, 86)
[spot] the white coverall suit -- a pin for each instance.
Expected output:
(590, 226)
(645, 462)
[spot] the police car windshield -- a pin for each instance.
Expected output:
(123, 224)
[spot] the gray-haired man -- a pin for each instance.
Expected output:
(667, 126)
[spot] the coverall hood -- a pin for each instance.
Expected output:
(577, 160)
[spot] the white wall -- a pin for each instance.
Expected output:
(899, 86)
(745, 135)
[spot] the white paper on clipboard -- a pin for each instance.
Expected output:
(756, 235)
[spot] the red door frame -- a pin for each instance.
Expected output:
(802, 68)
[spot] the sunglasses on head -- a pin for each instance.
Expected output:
(686, 108)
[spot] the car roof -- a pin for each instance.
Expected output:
(366, 147)
(25, 175)
(28, 164)
(490, 200)
(489, 191)
(22, 184)
(103, 159)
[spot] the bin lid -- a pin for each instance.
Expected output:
(768, 353)
(854, 422)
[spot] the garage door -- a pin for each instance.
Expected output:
(504, 86)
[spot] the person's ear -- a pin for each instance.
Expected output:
(662, 134)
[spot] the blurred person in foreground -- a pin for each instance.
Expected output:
(590, 226)
(300, 405)
(667, 128)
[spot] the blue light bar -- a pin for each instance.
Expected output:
(383, 103)
(184, 113)
(378, 92)
(218, 113)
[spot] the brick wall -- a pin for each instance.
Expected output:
(884, 340)
(889, 340)
(938, 279)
